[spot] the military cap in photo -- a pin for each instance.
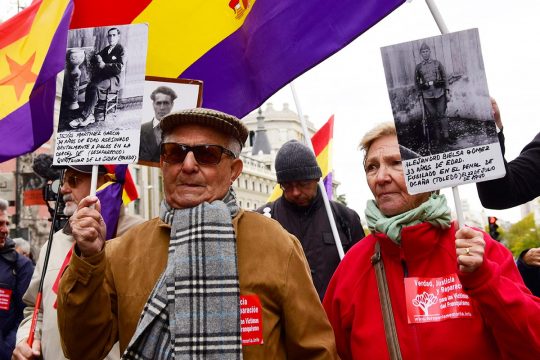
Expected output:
(424, 46)
(217, 120)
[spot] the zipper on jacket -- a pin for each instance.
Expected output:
(403, 263)
(418, 348)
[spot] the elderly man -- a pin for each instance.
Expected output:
(432, 85)
(76, 186)
(162, 101)
(301, 212)
(15, 273)
(206, 279)
(109, 64)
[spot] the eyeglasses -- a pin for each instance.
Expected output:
(300, 185)
(174, 153)
(72, 180)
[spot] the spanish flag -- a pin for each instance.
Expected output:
(243, 50)
(32, 52)
(322, 147)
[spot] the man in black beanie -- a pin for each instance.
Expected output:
(301, 212)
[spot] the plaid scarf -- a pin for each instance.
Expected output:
(193, 311)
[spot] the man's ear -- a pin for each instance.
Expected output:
(236, 169)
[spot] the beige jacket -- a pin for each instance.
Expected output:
(47, 326)
(102, 297)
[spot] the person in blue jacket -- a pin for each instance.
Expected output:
(15, 274)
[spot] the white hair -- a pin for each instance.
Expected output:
(4, 204)
(23, 244)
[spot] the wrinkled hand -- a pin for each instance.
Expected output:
(496, 113)
(87, 226)
(532, 257)
(470, 247)
(23, 351)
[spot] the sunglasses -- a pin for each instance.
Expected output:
(300, 185)
(174, 153)
(72, 180)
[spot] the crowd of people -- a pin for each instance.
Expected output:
(209, 280)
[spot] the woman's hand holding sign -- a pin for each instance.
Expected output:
(470, 247)
(88, 227)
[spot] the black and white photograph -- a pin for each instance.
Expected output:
(162, 96)
(102, 95)
(442, 109)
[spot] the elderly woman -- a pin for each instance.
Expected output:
(419, 288)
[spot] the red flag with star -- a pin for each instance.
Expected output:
(32, 52)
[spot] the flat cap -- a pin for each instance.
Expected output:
(87, 169)
(218, 120)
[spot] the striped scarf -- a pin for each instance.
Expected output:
(193, 311)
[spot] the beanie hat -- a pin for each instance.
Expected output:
(296, 162)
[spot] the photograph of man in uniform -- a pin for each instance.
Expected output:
(162, 101)
(438, 91)
(432, 85)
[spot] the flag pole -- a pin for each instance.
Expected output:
(37, 305)
(444, 30)
(93, 181)
(322, 188)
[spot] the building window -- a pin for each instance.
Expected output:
(248, 205)
(267, 189)
(246, 183)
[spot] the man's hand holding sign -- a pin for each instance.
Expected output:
(88, 227)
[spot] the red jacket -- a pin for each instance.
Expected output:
(506, 317)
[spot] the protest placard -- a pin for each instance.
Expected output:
(442, 111)
(102, 95)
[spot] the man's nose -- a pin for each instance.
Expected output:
(190, 164)
(64, 189)
(295, 191)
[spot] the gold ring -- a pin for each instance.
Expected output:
(467, 251)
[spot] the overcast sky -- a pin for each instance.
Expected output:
(351, 84)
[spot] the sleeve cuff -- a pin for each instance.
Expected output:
(85, 268)
(481, 277)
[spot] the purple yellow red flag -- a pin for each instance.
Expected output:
(322, 147)
(119, 190)
(243, 50)
(32, 52)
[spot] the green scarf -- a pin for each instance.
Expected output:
(434, 211)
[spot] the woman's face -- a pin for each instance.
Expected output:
(385, 178)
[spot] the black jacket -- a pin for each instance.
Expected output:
(15, 274)
(311, 226)
(521, 183)
(530, 275)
